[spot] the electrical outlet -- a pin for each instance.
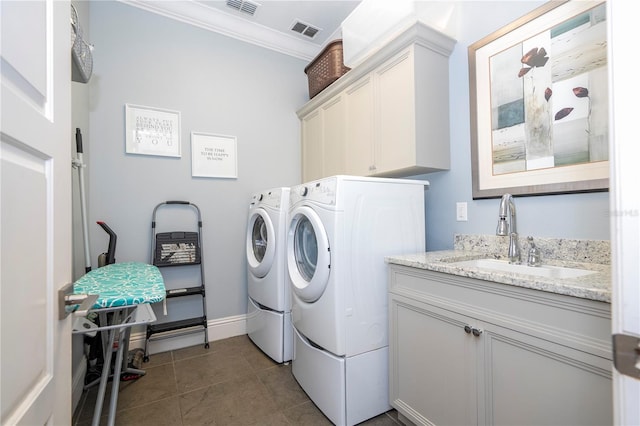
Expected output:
(461, 212)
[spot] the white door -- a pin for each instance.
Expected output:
(625, 198)
(35, 212)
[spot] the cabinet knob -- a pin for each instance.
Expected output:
(476, 332)
(467, 329)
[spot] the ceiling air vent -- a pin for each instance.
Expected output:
(245, 6)
(305, 29)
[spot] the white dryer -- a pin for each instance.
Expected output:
(269, 304)
(340, 230)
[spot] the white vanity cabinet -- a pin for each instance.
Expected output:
(467, 351)
(395, 118)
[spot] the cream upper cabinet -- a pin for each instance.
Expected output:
(395, 108)
(411, 108)
(323, 148)
(333, 140)
(397, 144)
(359, 127)
(312, 146)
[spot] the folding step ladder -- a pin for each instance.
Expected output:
(178, 249)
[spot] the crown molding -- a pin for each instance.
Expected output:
(211, 19)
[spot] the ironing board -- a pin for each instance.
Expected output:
(123, 284)
(125, 291)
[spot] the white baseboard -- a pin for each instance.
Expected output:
(78, 382)
(218, 329)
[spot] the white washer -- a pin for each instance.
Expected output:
(269, 304)
(340, 230)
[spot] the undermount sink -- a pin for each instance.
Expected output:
(540, 271)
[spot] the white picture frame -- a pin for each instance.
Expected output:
(152, 131)
(213, 156)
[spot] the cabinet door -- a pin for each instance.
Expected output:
(312, 146)
(531, 381)
(333, 137)
(395, 123)
(432, 364)
(323, 141)
(359, 107)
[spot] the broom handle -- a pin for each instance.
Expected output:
(83, 200)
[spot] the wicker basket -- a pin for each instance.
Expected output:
(326, 68)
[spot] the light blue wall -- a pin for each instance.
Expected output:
(581, 216)
(220, 85)
(229, 87)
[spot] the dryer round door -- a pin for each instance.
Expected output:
(261, 243)
(308, 255)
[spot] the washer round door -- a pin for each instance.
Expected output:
(308, 255)
(261, 243)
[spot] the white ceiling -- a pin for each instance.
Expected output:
(270, 25)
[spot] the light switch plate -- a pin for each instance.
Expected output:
(461, 212)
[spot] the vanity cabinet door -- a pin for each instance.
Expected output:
(433, 364)
(532, 381)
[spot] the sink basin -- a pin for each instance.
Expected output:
(540, 271)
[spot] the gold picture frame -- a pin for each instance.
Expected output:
(539, 103)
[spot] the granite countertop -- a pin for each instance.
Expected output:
(582, 254)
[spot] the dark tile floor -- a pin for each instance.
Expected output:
(231, 383)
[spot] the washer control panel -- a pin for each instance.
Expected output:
(320, 191)
(271, 197)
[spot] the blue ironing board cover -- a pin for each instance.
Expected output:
(122, 284)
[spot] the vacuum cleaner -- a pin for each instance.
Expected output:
(109, 257)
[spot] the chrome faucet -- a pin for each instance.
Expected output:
(508, 208)
(533, 259)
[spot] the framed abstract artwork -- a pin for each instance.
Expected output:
(539, 102)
